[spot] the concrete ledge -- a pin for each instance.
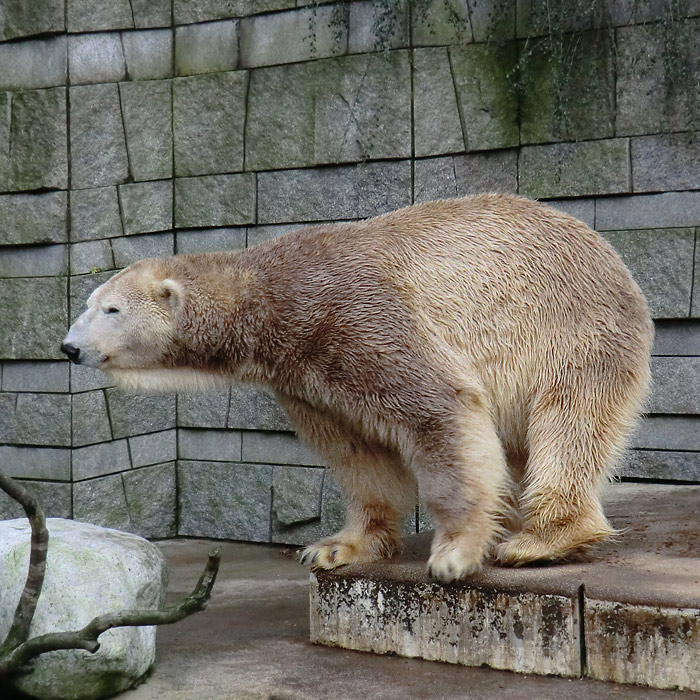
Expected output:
(628, 613)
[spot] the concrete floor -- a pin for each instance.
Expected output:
(252, 644)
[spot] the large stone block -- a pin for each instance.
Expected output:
(97, 141)
(206, 48)
(643, 644)
(346, 109)
(347, 192)
(55, 500)
(96, 58)
(290, 37)
(97, 460)
(472, 173)
(21, 18)
(210, 240)
(466, 624)
(90, 419)
(672, 209)
(48, 463)
(296, 504)
(133, 414)
(493, 22)
(226, 501)
(147, 113)
(188, 11)
(8, 431)
(674, 433)
(215, 200)
(203, 409)
(536, 18)
(277, 448)
(94, 214)
(256, 408)
(376, 25)
(437, 127)
(102, 501)
(97, 15)
(33, 218)
(210, 445)
(567, 88)
(675, 385)
(442, 22)
(152, 500)
(152, 13)
(34, 318)
(575, 169)
(488, 103)
(209, 113)
(657, 77)
(676, 338)
(661, 260)
(42, 419)
(35, 376)
(667, 162)
(34, 261)
(38, 151)
(146, 206)
(38, 63)
(91, 256)
(148, 54)
(153, 448)
(155, 245)
(89, 572)
(661, 465)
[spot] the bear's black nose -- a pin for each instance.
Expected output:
(72, 352)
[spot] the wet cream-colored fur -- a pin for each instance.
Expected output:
(489, 352)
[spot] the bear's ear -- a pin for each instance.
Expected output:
(172, 292)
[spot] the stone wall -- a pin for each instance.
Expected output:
(137, 128)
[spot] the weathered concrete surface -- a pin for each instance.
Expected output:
(629, 612)
(252, 643)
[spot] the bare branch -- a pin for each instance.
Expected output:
(24, 613)
(86, 638)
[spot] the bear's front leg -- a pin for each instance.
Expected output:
(463, 480)
(377, 487)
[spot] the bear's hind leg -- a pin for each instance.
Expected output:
(378, 490)
(573, 449)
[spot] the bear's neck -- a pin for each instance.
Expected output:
(232, 332)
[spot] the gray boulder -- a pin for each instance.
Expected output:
(90, 571)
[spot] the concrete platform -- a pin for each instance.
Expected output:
(628, 613)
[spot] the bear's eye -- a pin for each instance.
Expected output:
(112, 310)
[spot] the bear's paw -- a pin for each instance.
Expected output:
(340, 550)
(453, 559)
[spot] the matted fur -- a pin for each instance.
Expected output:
(489, 351)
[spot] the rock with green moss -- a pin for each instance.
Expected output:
(90, 571)
(483, 77)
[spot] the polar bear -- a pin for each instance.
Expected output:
(489, 352)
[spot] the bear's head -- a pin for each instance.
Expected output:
(130, 321)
